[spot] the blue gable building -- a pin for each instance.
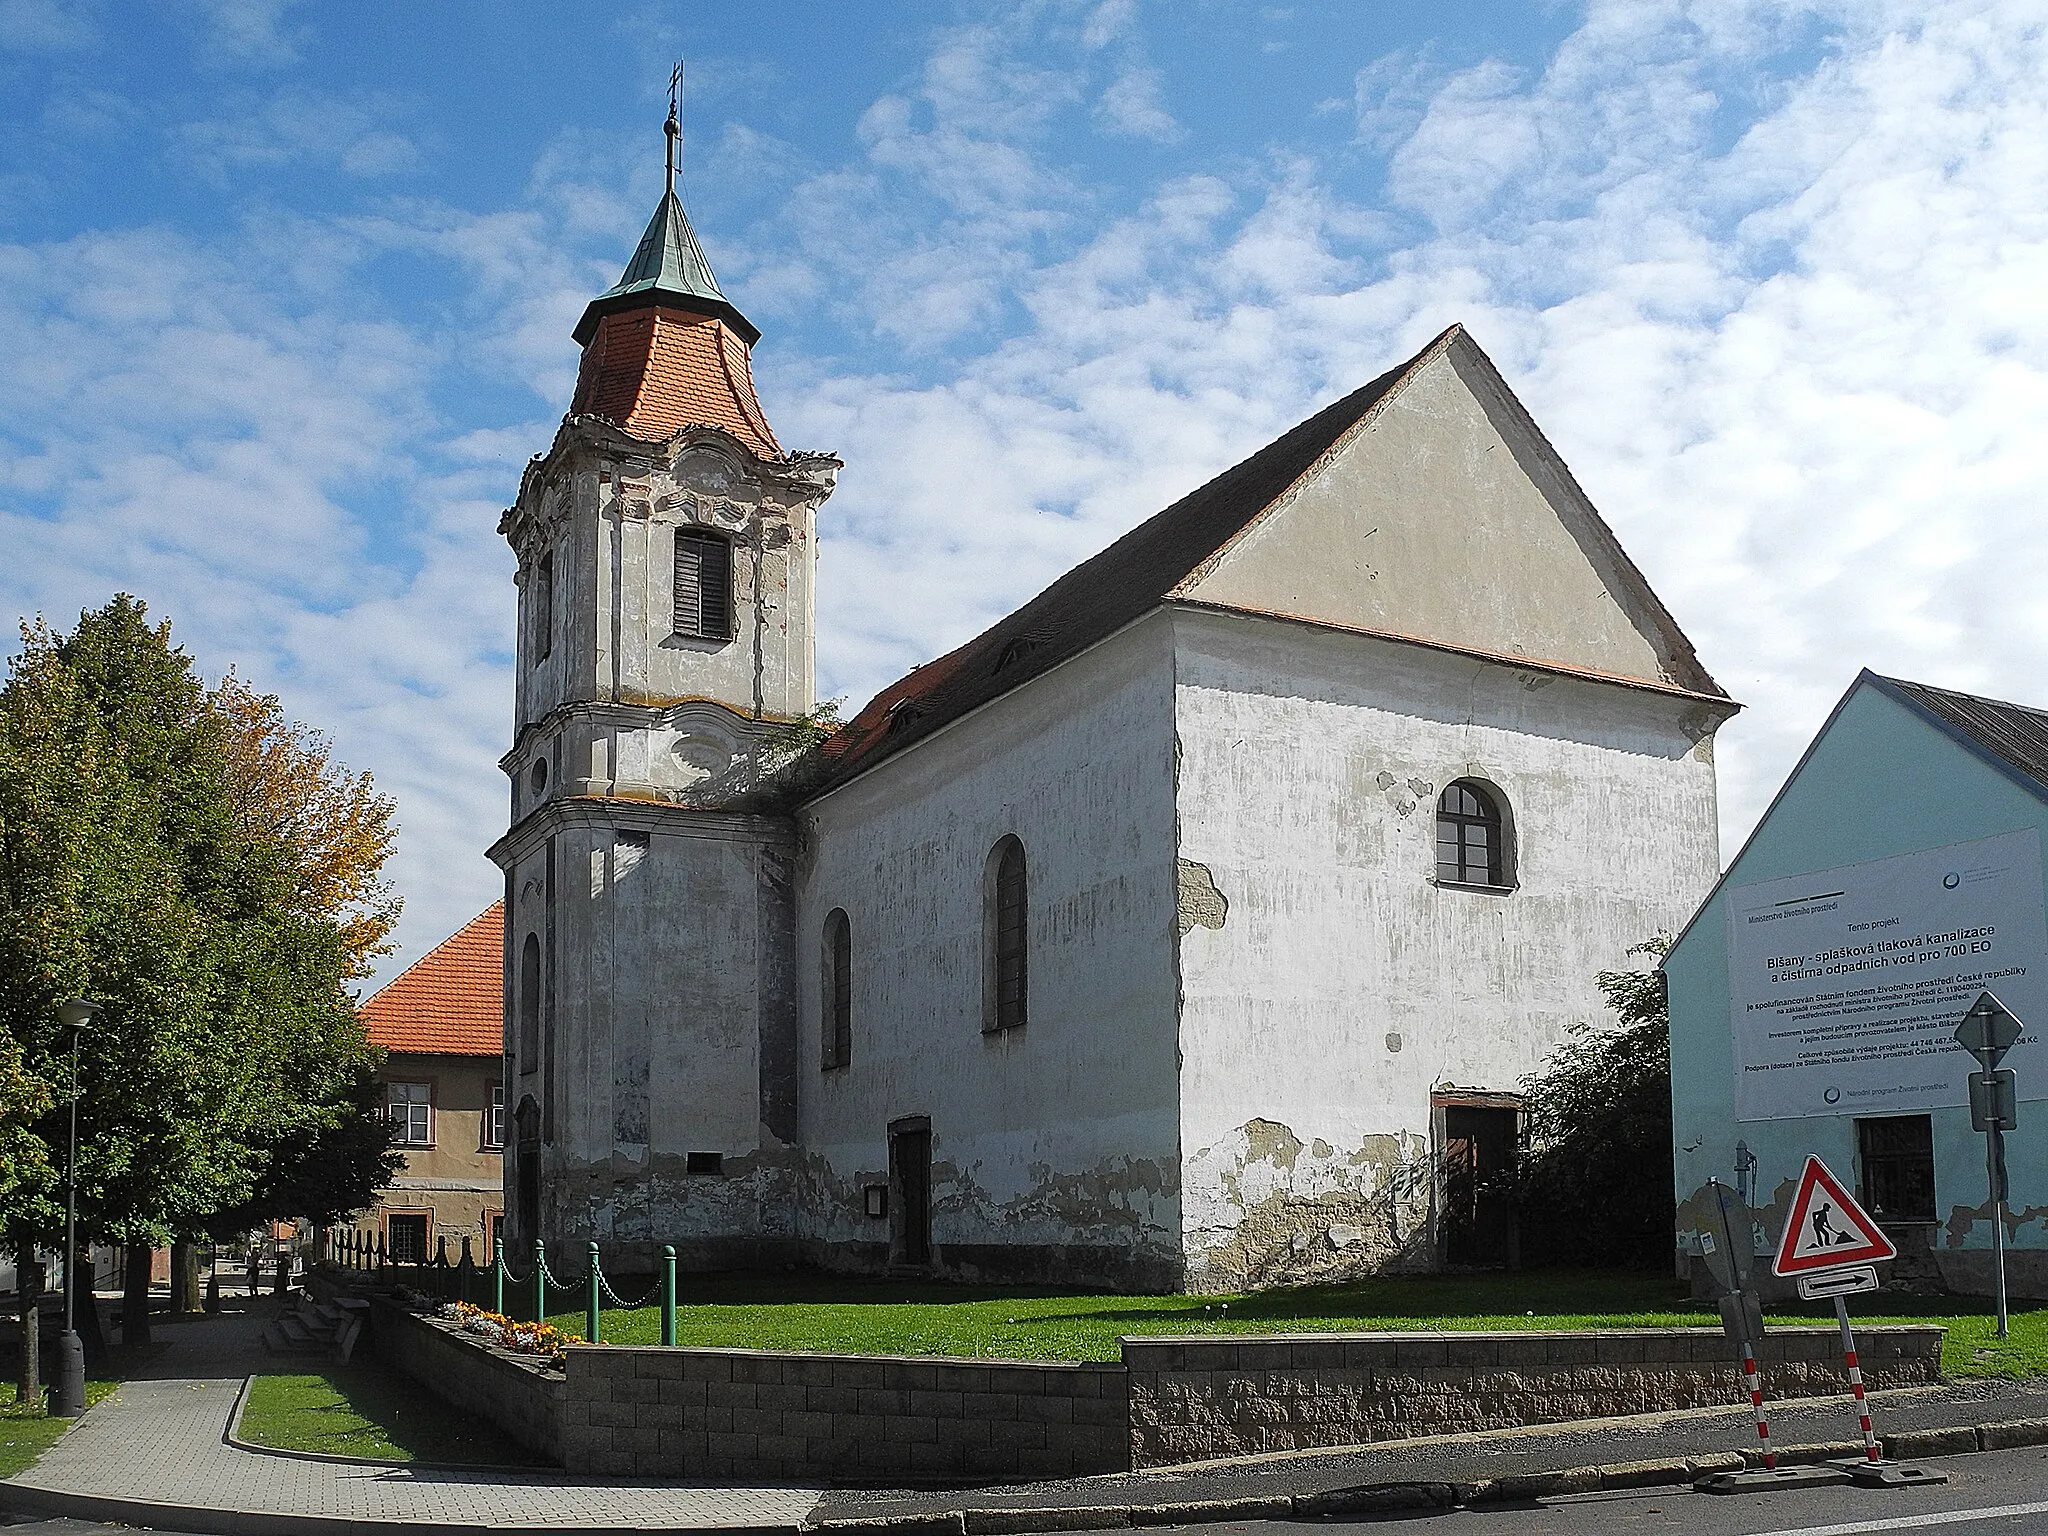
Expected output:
(1815, 995)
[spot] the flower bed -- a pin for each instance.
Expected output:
(522, 1338)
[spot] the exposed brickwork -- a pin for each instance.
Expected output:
(510, 1391)
(735, 1415)
(1191, 1399)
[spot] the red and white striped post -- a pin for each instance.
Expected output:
(1870, 1451)
(1756, 1403)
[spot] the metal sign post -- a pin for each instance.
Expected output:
(1987, 1032)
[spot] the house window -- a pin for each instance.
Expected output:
(494, 1120)
(405, 1237)
(1471, 836)
(411, 1107)
(1897, 1153)
(1007, 986)
(704, 1162)
(703, 586)
(838, 1031)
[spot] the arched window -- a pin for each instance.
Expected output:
(529, 1006)
(1471, 836)
(1006, 990)
(837, 1044)
(703, 586)
(544, 604)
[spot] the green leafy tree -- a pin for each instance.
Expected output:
(1594, 1185)
(137, 868)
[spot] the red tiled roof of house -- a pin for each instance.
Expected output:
(450, 1001)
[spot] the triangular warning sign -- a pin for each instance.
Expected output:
(1827, 1228)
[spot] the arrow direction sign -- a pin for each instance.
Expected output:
(1988, 1030)
(1827, 1228)
(1837, 1282)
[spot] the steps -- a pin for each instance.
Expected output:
(322, 1329)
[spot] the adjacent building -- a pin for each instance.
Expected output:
(1896, 877)
(441, 1024)
(1193, 926)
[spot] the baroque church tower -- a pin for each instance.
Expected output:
(666, 545)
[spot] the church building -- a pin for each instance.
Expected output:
(1191, 928)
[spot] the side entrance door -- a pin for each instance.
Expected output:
(1479, 1161)
(910, 1178)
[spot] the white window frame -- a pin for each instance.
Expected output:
(494, 1120)
(410, 1106)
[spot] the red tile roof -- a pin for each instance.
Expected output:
(450, 1001)
(655, 370)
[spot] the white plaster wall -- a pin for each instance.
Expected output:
(1310, 764)
(1063, 1132)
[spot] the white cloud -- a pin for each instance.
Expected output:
(1131, 107)
(1802, 368)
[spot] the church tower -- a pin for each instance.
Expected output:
(666, 546)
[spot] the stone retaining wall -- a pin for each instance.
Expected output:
(735, 1415)
(511, 1391)
(1191, 1399)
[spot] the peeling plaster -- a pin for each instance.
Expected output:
(1198, 904)
(1266, 1209)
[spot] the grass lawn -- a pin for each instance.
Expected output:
(362, 1410)
(26, 1431)
(806, 1311)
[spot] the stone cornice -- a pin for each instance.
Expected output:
(588, 812)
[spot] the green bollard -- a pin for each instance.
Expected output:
(540, 1281)
(498, 1276)
(668, 1296)
(591, 1323)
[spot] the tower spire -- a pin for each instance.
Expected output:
(672, 130)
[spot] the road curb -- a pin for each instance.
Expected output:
(1362, 1501)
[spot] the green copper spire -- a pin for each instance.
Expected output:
(669, 266)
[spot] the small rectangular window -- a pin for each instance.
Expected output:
(704, 1162)
(1897, 1154)
(405, 1238)
(494, 1119)
(703, 601)
(411, 1107)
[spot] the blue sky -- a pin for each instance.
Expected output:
(286, 291)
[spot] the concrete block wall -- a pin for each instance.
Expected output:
(734, 1415)
(514, 1392)
(1191, 1399)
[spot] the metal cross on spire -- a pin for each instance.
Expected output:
(673, 128)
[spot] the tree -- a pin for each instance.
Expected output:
(333, 828)
(144, 863)
(330, 1175)
(1594, 1186)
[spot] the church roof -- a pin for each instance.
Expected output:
(1144, 569)
(668, 267)
(450, 1001)
(654, 371)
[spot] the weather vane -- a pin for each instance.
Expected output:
(673, 128)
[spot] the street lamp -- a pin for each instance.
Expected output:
(67, 1392)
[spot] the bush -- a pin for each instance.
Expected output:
(1594, 1185)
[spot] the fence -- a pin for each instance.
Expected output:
(501, 1288)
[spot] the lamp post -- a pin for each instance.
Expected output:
(67, 1391)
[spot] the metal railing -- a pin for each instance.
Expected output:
(457, 1280)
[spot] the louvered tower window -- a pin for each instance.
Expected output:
(703, 586)
(838, 1032)
(1008, 981)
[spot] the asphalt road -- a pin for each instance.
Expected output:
(2002, 1491)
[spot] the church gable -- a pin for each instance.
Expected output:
(1445, 517)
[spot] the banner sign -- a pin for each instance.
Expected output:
(1845, 986)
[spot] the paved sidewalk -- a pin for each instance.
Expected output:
(154, 1454)
(158, 1443)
